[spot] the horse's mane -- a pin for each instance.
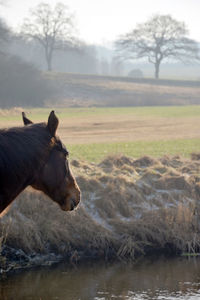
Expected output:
(22, 150)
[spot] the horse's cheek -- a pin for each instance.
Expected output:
(47, 176)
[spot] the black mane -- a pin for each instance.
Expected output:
(22, 151)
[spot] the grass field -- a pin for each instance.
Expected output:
(93, 133)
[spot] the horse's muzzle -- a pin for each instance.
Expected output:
(73, 203)
(70, 203)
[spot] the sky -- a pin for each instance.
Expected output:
(102, 21)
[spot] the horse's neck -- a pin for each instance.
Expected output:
(9, 192)
(22, 155)
(12, 184)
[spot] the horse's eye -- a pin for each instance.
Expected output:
(66, 153)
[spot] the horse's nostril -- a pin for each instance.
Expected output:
(73, 203)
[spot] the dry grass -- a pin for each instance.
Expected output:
(129, 208)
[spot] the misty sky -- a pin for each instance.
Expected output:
(102, 21)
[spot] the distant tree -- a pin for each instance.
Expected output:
(52, 28)
(82, 61)
(161, 38)
(137, 73)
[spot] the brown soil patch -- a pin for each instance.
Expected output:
(127, 128)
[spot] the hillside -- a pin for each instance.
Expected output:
(93, 90)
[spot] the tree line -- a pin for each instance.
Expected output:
(160, 39)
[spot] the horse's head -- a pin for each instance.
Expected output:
(55, 178)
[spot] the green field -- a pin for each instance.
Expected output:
(96, 152)
(93, 133)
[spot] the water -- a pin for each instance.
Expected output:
(163, 279)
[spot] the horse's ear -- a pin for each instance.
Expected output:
(25, 120)
(52, 123)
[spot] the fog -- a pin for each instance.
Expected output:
(30, 68)
(98, 60)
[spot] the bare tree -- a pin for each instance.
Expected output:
(52, 28)
(161, 38)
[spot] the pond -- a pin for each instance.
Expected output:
(163, 279)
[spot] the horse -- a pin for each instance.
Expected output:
(33, 155)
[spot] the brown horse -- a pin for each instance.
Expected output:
(34, 155)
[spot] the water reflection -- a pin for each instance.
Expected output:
(160, 279)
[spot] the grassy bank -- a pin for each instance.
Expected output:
(130, 207)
